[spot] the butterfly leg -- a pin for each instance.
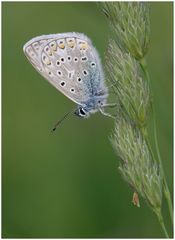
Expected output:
(106, 114)
(110, 105)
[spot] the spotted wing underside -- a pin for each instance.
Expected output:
(69, 62)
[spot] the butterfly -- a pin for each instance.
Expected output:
(71, 64)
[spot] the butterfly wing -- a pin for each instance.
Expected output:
(69, 62)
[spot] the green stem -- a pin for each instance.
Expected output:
(165, 185)
(161, 221)
(166, 189)
(168, 198)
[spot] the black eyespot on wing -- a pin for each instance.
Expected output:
(58, 63)
(72, 90)
(59, 73)
(85, 72)
(62, 84)
(79, 79)
(84, 59)
(69, 58)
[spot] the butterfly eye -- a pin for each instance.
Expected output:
(81, 111)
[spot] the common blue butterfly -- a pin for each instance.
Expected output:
(72, 65)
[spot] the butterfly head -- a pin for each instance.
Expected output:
(91, 106)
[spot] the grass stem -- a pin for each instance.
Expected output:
(161, 221)
(165, 185)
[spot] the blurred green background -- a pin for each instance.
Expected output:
(67, 184)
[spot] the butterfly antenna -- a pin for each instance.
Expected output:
(61, 120)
